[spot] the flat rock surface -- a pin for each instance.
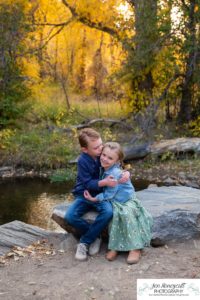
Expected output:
(168, 198)
(175, 210)
(20, 234)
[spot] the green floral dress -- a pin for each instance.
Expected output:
(131, 226)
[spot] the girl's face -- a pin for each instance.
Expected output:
(108, 158)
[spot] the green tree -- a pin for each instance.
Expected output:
(13, 90)
(141, 58)
(191, 49)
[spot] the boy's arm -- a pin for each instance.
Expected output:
(85, 176)
(108, 181)
(125, 177)
(91, 183)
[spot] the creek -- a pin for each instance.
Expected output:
(32, 200)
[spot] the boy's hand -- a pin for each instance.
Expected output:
(89, 197)
(125, 177)
(109, 181)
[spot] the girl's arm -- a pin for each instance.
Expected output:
(88, 196)
(110, 192)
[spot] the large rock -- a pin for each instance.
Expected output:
(20, 234)
(175, 210)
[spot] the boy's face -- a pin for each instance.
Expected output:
(94, 147)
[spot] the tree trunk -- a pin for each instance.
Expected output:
(185, 112)
(145, 39)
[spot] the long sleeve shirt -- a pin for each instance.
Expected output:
(122, 192)
(87, 176)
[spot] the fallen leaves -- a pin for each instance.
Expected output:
(37, 249)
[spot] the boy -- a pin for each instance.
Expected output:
(88, 179)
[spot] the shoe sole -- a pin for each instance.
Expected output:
(78, 259)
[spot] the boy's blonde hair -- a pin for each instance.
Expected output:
(118, 149)
(87, 134)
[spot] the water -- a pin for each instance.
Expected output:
(32, 200)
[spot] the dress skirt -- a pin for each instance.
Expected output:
(131, 226)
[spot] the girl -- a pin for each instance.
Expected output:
(130, 228)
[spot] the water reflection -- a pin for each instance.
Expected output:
(39, 211)
(31, 201)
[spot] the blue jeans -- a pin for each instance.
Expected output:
(79, 207)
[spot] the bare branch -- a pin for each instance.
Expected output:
(90, 23)
(89, 123)
(53, 24)
(102, 120)
(51, 37)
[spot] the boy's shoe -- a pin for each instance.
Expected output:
(134, 257)
(81, 252)
(111, 255)
(95, 247)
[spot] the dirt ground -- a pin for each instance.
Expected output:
(51, 273)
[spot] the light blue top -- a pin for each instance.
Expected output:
(122, 192)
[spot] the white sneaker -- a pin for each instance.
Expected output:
(95, 247)
(81, 252)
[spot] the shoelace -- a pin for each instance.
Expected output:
(82, 249)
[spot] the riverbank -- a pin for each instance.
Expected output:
(171, 172)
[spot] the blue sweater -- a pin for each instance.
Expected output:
(122, 192)
(87, 176)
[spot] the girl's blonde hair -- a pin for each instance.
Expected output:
(118, 149)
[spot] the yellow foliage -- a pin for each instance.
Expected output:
(31, 68)
(194, 127)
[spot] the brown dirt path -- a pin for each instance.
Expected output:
(59, 276)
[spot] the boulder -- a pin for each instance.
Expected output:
(175, 210)
(20, 234)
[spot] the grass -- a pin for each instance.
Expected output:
(39, 148)
(50, 104)
(39, 141)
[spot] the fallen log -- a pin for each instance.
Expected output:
(174, 146)
(136, 152)
(177, 146)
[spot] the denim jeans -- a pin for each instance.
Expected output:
(79, 207)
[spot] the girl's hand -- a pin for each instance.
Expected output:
(89, 197)
(125, 177)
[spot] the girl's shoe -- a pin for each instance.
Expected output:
(133, 256)
(111, 255)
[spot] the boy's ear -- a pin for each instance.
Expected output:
(84, 149)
